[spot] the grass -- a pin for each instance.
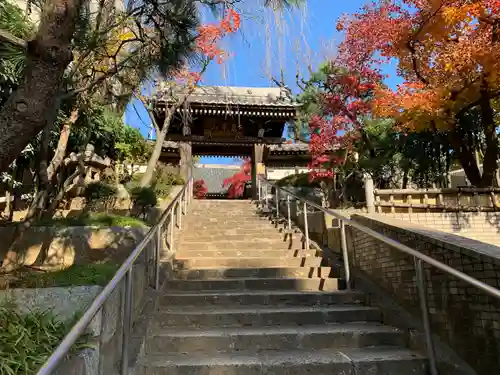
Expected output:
(85, 274)
(100, 220)
(27, 340)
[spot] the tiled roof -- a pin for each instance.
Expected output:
(226, 95)
(170, 144)
(290, 147)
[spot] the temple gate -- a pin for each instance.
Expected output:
(226, 121)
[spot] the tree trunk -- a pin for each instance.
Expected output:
(8, 207)
(54, 203)
(155, 155)
(62, 145)
(466, 157)
(490, 162)
(25, 112)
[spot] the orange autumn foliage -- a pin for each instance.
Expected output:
(448, 54)
(209, 35)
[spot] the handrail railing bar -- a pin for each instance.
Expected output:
(406, 249)
(418, 258)
(127, 321)
(425, 314)
(79, 328)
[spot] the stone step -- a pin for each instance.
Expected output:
(229, 273)
(247, 237)
(220, 340)
(263, 244)
(268, 230)
(263, 316)
(376, 361)
(247, 262)
(223, 214)
(236, 252)
(235, 224)
(261, 298)
(330, 284)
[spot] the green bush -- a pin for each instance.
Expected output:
(165, 177)
(143, 198)
(99, 193)
(27, 340)
(100, 220)
(77, 274)
(134, 182)
(297, 180)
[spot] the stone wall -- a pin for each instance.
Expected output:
(464, 318)
(59, 248)
(481, 226)
(465, 322)
(214, 176)
(102, 354)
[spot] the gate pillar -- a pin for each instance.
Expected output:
(257, 154)
(186, 162)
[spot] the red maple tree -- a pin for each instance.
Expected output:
(448, 56)
(239, 180)
(200, 189)
(345, 99)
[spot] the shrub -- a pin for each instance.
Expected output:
(298, 180)
(27, 340)
(133, 182)
(200, 189)
(143, 198)
(165, 177)
(99, 194)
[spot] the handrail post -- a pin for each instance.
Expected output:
(127, 321)
(288, 211)
(157, 256)
(172, 224)
(419, 271)
(258, 191)
(266, 192)
(345, 254)
(277, 204)
(179, 215)
(306, 226)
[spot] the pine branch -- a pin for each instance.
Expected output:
(10, 38)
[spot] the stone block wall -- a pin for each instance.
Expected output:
(481, 226)
(465, 318)
(103, 347)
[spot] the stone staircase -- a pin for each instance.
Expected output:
(246, 302)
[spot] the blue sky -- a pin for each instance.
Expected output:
(268, 43)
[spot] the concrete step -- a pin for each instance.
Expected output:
(255, 316)
(231, 235)
(229, 273)
(241, 225)
(261, 298)
(264, 244)
(377, 361)
(237, 252)
(331, 284)
(220, 340)
(214, 231)
(247, 262)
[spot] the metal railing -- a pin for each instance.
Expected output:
(418, 257)
(168, 219)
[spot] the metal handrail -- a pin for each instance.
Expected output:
(125, 271)
(417, 256)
